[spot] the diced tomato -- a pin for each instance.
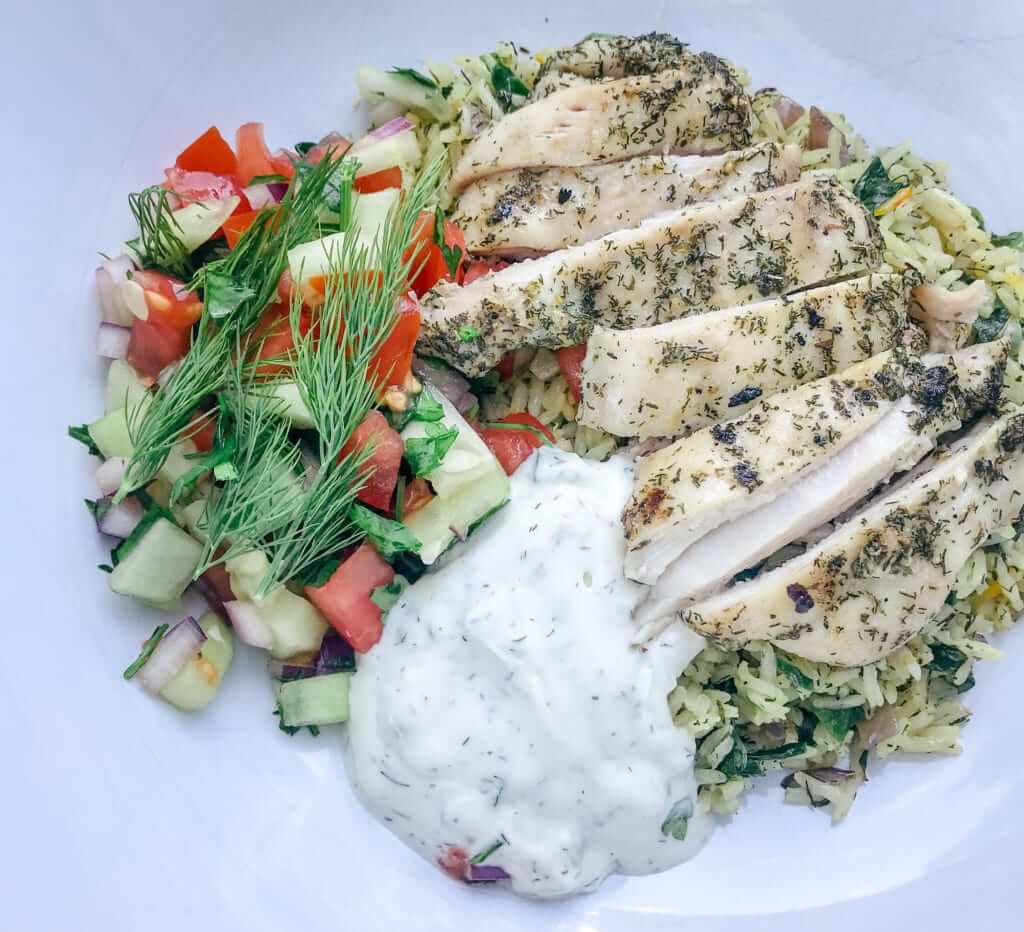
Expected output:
(203, 431)
(168, 300)
(273, 334)
(334, 143)
(428, 264)
(202, 186)
(393, 360)
(513, 447)
(379, 181)
(236, 225)
(417, 494)
(478, 268)
(344, 600)
(154, 345)
(209, 153)
(254, 157)
(507, 366)
(454, 861)
(284, 163)
(380, 470)
(570, 361)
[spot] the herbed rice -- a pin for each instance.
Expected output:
(759, 709)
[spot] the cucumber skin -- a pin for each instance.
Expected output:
(159, 568)
(317, 700)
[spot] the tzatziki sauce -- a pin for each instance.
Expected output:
(504, 727)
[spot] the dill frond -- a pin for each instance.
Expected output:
(158, 245)
(267, 487)
(252, 270)
(333, 370)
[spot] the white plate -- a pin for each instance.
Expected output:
(120, 814)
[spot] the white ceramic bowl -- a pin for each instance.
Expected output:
(118, 812)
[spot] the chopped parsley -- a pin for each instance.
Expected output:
(507, 86)
(424, 454)
(82, 435)
(413, 75)
(222, 294)
(875, 187)
(387, 536)
(469, 334)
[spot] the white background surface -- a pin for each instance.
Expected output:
(120, 814)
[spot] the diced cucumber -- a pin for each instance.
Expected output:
(294, 622)
(436, 523)
(316, 700)
(123, 386)
(310, 259)
(199, 221)
(159, 568)
(110, 434)
(191, 515)
(402, 149)
(371, 212)
(469, 483)
(290, 404)
(374, 83)
(194, 687)
(469, 458)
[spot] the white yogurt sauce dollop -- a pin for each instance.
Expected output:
(504, 709)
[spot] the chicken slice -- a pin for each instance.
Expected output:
(538, 210)
(694, 260)
(606, 56)
(872, 584)
(662, 380)
(823, 448)
(700, 108)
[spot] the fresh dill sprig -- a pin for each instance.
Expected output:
(159, 244)
(266, 487)
(249, 274)
(334, 371)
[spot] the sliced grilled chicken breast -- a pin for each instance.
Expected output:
(699, 108)
(538, 210)
(822, 447)
(873, 583)
(599, 56)
(661, 380)
(695, 260)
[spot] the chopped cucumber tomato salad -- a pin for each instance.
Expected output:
(270, 439)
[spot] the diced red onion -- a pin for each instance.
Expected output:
(109, 276)
(277, 190)
(249, 624)
(789, 111)
(817, 137)
(286, 670)
(259, 196)
(112, 340)
(881, 726)
(391, 128)
(179, 646)
(121, 519)
(109, 474)
(181, 291)
(486, 873)
(448, 382)
(336, 655)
